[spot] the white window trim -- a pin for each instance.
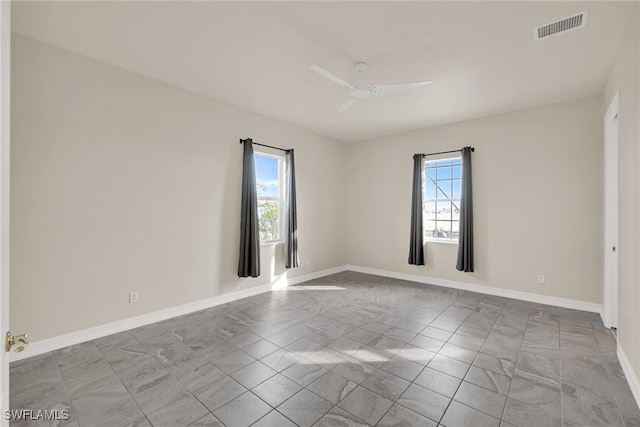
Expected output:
(441, 240)
(424, 192)
(281, 184)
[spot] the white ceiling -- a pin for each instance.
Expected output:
(481, 55)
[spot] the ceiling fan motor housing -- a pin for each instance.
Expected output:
(361, 90)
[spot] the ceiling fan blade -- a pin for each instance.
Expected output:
(327, 75)
(347, 105)
(384, 90)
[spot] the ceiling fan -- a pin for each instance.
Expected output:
(360, 89)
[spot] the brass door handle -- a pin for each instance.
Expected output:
(12, 340)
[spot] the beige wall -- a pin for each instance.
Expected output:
(120, 182)
(624, 76)
(537, 200)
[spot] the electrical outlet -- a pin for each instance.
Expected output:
(133, 297)
(540, 278)
(383, 259)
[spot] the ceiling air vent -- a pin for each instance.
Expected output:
(561, 25)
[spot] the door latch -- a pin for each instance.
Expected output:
(13, 340)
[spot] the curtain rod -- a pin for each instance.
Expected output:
(446, 152)
(242, 141)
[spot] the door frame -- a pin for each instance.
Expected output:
(5, 105)
(611, 299)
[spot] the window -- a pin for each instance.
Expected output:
(270, 186)
(442, 184)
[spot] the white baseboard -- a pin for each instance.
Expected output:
(61, 341)
(489, 290)
(630, 374)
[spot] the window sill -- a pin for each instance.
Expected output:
(272, 243)
(446, 242)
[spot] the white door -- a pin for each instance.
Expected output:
(611, 200)
(5, 44)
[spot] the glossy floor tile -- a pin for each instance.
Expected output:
(345, 350)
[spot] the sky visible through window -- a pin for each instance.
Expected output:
(266, 175)
(444, 170)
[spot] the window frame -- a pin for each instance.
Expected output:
(281, 194)
(427, 238)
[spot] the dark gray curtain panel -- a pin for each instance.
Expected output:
(249, 262)
(416, 243)
(465, 242)
(291, 217)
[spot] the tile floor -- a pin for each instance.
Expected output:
(345, 350)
